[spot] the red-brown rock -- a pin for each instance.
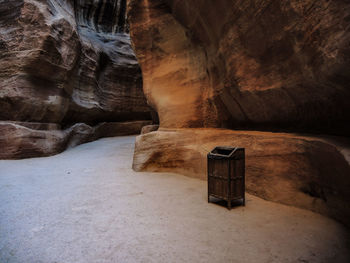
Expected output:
(281, 65)
(67, 62)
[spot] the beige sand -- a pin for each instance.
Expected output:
(87, 205)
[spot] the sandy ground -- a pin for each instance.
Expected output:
(87, 205)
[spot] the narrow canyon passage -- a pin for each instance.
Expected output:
(87, 205)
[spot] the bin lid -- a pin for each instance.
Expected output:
(223, 151)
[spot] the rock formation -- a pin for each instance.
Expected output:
(66, 62)
(257, 65)
(28, 139)
(281, 65)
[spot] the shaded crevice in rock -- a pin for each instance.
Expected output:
(107, 16)
(113, 77)
(122, 17)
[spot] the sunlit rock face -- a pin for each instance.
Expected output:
(66, 62)
(257, 65)
(281, 65)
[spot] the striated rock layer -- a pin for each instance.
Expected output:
(24, 140)
(304, 171)
(281, 65)
(67, 62)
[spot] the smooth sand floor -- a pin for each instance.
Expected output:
(87, 205)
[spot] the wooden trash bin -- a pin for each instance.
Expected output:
(226, 174)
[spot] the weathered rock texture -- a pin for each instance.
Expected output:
(67, 62)
(303, 171)
(268, 65)
(25, 140)
(252, 64)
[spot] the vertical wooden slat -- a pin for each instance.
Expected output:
(228, 186)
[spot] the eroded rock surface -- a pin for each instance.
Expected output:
(67, 62)
(303, 171)
(25, 140)
(281, 65)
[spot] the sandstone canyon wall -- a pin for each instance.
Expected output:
(246, 64)
(64, 62)
(258, 65)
